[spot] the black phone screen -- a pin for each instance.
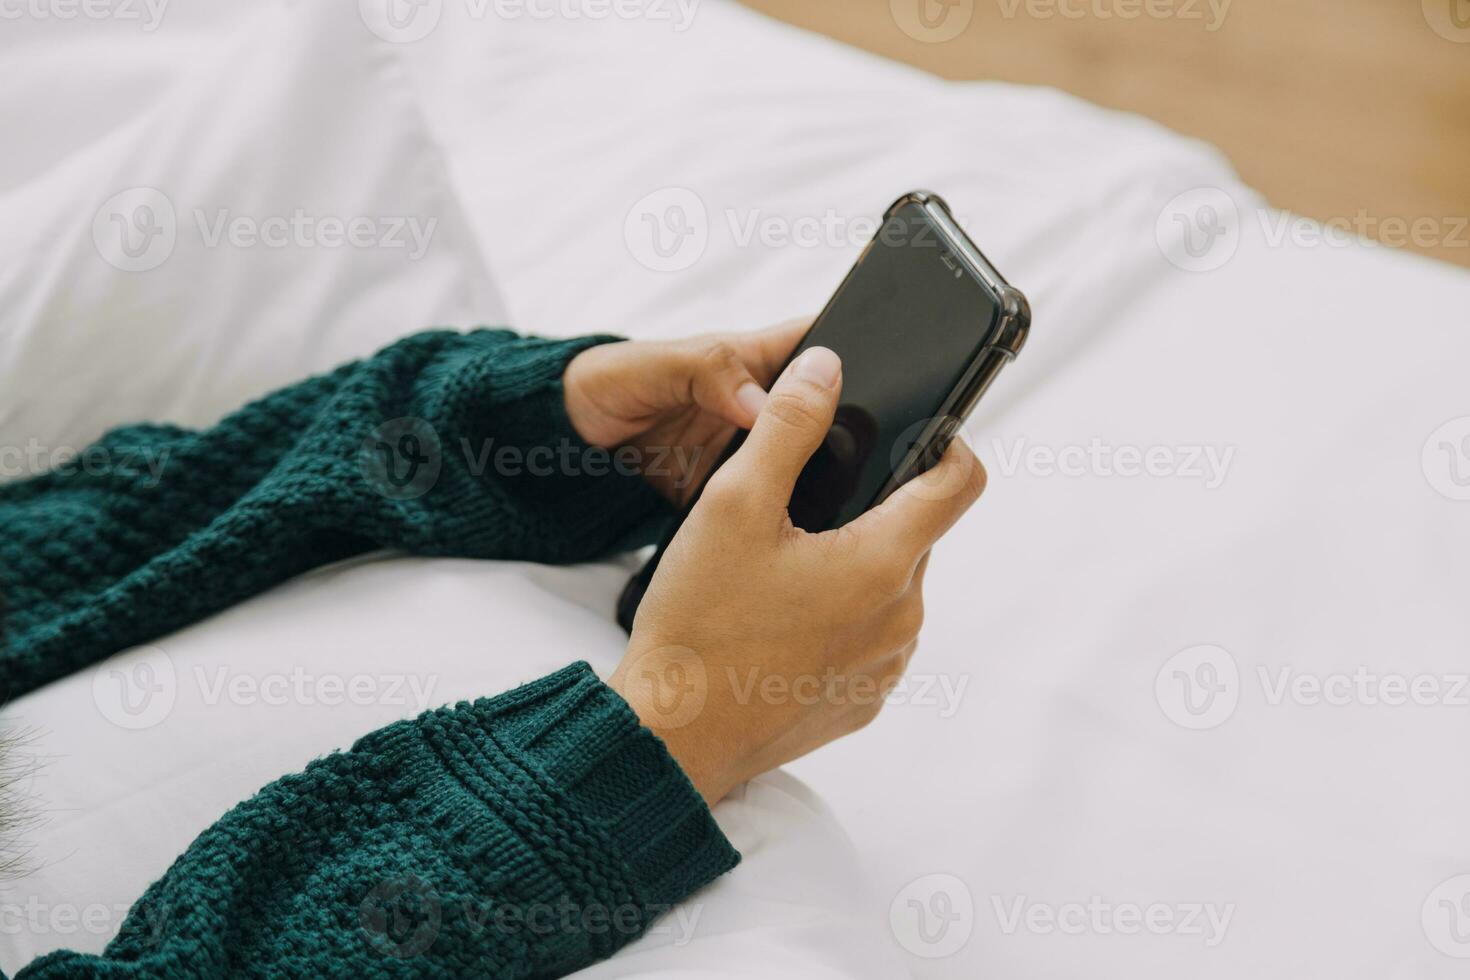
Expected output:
(907, 322)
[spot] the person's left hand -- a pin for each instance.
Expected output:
(676, 402)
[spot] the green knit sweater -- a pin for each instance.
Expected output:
(524, 835)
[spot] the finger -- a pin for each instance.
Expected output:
(727, 374)
(917, 581)
(796, 417)
(766, 351)
(920, 511)
(707, 372)
(913, 582)
(889, 673)
(720, 382)
(906, 656)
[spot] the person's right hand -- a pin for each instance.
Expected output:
(758, 642)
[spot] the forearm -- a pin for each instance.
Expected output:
(521, 836)
(429, 446)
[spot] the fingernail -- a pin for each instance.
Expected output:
(818, 365)
(751, 398)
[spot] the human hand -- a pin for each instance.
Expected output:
(676, 402)
(758, 642)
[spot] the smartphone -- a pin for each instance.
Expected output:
(923, 324)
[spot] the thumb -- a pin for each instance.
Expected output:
(792, 424)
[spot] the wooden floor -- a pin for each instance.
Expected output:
(1347, 109)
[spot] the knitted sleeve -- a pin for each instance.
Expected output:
(525, 835)
(444, 443)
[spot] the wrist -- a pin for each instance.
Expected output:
(579, 412)
(668, 693)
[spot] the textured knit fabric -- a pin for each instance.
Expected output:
(525, 835)
(444, 443)
(520, 836)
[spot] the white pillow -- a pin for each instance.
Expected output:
(283, 206)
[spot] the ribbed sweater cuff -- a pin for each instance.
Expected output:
(574, 766)
(598, 497)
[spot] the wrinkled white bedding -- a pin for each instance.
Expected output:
(1049, 797)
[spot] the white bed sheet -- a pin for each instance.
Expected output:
(1322, 837)
(1035, 768)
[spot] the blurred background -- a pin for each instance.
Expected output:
(1349, 110)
